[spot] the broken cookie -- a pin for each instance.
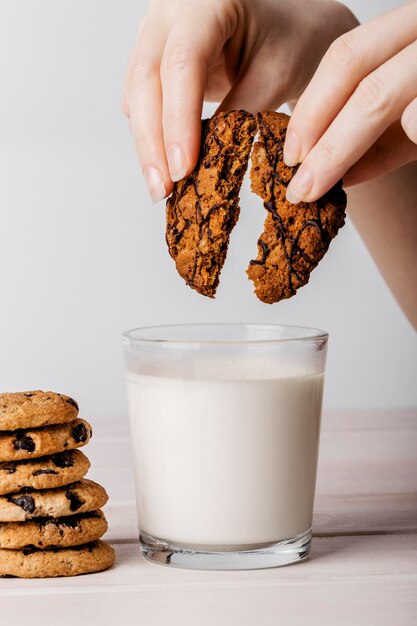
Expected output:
(204, 206)
(295, 237)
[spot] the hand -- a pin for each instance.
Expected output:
(358, 116)
(245, 54)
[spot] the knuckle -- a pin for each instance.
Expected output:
(343, 53)
(176, 59)
(140, 143)
(141, 72)
(124, 106)
(328, 152)
(372, 96)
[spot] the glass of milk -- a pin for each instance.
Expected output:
(225, 423)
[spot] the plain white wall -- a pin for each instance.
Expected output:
(82, 250)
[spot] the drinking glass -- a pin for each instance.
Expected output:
(225, 423)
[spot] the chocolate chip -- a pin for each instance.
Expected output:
(75, 501)
(72, 403)
(80, 433)
(44, 471)
(10, 468)
(29, 549)
(29, 395)
(27, 503)
(70, 521)
(65, 459)
(24, 442)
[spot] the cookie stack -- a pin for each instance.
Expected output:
(50, 518)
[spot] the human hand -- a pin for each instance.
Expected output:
(244, 54)
(357, 118)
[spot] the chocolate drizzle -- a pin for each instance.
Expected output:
(200, 221)
(265, 253)
(324, 237)
(270, 205)
(175, 199)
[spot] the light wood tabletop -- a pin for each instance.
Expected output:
(362, 569)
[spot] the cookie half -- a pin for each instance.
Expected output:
(44, 532)
(295, 237)
(204, 206)
(33, 563)
(36, 442)
(45, 472)
(30, 409)
(80, 497)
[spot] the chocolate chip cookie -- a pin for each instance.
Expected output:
(80, 497)
(44, 532)
(30, 409)
(204, 206)
(32, 443)
(32, 563)
(295, 237)
(43, 473)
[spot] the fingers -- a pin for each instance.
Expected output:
(165, 90)
(409, 121)
(124, 99)
(379, 100)
(190, 45)
(143, 104)
(392, 150)
(183, 77)
(349, 59)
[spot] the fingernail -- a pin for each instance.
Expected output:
(155, 183)
(292, 149)
(176, 162)
(299, 187)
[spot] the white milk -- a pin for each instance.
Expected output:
(225, 462)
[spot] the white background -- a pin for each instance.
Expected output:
(82, 250)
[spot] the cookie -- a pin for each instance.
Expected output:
(80, 497)
(295, 237)
(44, 532)
(31, 409)
(204, 206)
(33, 563)
(32, 443)
(43, 473)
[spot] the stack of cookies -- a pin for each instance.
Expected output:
(50, 517)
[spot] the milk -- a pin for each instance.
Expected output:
(225, 463)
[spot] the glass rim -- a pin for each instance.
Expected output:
(138, 335)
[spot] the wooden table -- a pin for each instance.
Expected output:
(362, 569)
